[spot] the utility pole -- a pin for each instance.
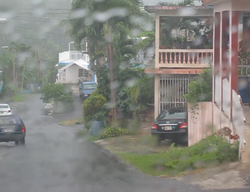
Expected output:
(38, 69)
(14, 68)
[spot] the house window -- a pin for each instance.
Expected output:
(86, 73)
(80, 72)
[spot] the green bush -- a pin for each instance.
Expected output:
(56, 92)
(93, 108)
(212, 150)
(112, 132)
(201, 88)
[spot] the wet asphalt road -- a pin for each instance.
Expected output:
(55, 160)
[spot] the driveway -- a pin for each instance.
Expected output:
(54, 160)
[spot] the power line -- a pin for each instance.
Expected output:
(52, 9)
(45, 13)
(39, 19)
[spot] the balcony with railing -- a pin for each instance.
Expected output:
(184, 58)
(183, 39)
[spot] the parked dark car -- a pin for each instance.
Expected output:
(12, 128)
(171, 124)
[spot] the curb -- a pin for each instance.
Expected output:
(123, 166)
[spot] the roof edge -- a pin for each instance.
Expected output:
(153, 9)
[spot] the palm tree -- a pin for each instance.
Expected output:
(103, 30)
(16, 50)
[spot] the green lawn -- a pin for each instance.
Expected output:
(18, 98)
(209, 152)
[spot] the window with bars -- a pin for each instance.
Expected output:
(86, 73)
(80, 72)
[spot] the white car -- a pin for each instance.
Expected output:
(5, 109)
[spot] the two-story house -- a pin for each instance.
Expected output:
(183, 49)
(73, 65)
(231, 43)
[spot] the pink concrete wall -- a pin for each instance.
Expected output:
(200, 122)
(205, 120)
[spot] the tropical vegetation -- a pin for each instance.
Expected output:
(112, 45)
(111, 38)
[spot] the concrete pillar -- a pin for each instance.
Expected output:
(157, 96)
(233, 61)
(157, 39)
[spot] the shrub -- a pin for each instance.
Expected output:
(210, 151)
(112, 132)
(201, 88)
(56, 92)
(92, 107)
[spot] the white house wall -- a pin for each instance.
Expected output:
(72, 74)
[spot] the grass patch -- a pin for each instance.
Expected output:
(92, 138)
(209, 152)
(71, 122)
(82, 133)
(87, 135)
(18, 98)
(138, 144)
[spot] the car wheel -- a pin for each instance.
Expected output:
(183, 139)
(16, 142)
(22, 141)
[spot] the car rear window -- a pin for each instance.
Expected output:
(172, 115)
(10, 120)
(89, 86)
(4, 106)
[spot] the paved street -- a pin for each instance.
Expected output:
(54, 160)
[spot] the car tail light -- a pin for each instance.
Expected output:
(9, 111)
(154, 126)
(184, 125)
(23, 128)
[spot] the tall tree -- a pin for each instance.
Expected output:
(99, 23)
(19, 52)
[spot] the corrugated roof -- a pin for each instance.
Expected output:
(153, 9)
(81, 63)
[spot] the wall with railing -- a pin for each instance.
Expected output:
(185, 58)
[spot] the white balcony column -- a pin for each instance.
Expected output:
(157, 39)
(157, 96)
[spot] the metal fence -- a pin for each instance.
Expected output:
(172, 90)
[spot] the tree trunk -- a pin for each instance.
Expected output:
(112, 80)
(38, 69)
(14, 70)
(24, 67)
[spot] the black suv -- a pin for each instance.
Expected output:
(171, 124)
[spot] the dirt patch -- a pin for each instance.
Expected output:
(141, 143)
(246, 153)
(231, 179)
(226, 176)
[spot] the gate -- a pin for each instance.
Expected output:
(172, 89)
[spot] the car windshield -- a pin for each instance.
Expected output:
(172, 115)
(4, 106)
(89, 86)
(10, 120)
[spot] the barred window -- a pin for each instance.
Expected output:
(80, 72)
